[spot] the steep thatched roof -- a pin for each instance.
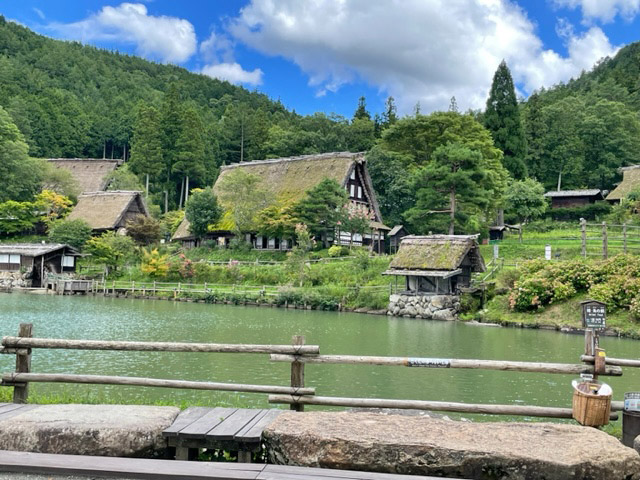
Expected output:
(35, 249)
(105, 210)
(437, 253)
(90, 173)
(630, 181)
(290, 178)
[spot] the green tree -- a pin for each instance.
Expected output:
(390, 114)
(146, 145)
(71, 232)
(154, 264)
(535, 130)
(456, 184)
(278, 220)
(298, 257)
(502, 119)
(241, 194)
(202, 210)
(17, 217)
(361, 112)
(59, 180)
(20, 176)
(123, 179)
(322, 208)
(190, 151)
(111, 249)
(525, 199)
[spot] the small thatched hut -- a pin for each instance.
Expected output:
(437, 264)
(91, 174)
(288, 179)
(34, 260)
(630, 182)
(109, 210)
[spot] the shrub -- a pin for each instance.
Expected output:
(154, 264)
(144, 230)
(592, 211)
(72, 232)
(336, 251)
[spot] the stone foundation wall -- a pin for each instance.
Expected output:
(436, 307)
(9, 280)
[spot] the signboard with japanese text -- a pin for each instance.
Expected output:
(594, 315)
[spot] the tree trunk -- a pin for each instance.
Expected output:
(104, 150)
(166, 201)
(559, 180)
(452, 202)
(146, 196)
(181, 194)
(186, 191)
(242, 141)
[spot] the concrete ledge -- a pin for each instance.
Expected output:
(104, 430)
(430, 446)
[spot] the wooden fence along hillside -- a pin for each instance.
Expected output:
(296, 392)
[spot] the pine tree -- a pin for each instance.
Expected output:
(390, 115)
(535, 131)
(190, 150)
(502, 119)
(323, 208)
(361, 111)
(453, 105)
(146, 145)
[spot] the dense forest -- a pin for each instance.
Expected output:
(437, 172)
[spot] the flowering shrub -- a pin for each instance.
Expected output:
(614, 281)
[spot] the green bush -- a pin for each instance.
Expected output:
(71, 232)
(592, 211)
(337, 251)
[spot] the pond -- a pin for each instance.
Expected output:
(336, 333)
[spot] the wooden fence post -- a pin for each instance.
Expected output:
(154, 288)
(605, 243)
(297, 372)
(23, 365)
(583, 228)
(624, 237)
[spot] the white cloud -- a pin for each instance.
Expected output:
(168, 39)
(39, 13)
(603, 10)
(233, 73)
(415, 50)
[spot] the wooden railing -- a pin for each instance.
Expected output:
(298, 354)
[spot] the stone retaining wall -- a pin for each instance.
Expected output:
(9, 280)
(436, 307)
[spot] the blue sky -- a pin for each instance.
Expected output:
(321, 55)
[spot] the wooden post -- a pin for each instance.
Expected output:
(133, 287)
(605, 243)
(591, 347)
(297, 372)
(23, 365)
(154, 288)
(113, 288)
(624, 237)
(583, 228)
(599, 361)
(520, 233)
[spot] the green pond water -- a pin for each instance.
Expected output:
(336, 333)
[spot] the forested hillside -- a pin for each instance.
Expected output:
(582, 131)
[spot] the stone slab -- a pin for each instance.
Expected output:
(102, 430)
(431, 446)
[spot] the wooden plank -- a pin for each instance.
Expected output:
(59, 343)
(252, 432)
(232, 424)
(116, 467)
(483, 408)
(10, 378)
(184, 419)
(303, 473)
(199, 428)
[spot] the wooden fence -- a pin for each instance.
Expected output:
(603, 240)
(298, 354)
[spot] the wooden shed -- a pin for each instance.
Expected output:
(289, 179)
(35, 260)
(574, 198)
(109, 210)
(396, 234)
(436, 264)
(630, 182)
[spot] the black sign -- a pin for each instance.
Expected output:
(594, 315)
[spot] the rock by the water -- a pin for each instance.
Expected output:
(104, 430)
(430, 446)
(445, 314)
(636, 444)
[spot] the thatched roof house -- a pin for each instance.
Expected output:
(90, 173)
(109, 210)
(290, 178)
(437, 264)
(630, 182)
(36, 259)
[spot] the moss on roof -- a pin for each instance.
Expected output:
(630, 181)
(436, 252)
(226, 224)
(90, 173)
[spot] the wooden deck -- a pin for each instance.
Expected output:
(231, 429)
(115, 467)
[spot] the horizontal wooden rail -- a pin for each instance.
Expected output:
(478, 408)
(620, 362)
(55, 343)
(13, 378)
(566, 368)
